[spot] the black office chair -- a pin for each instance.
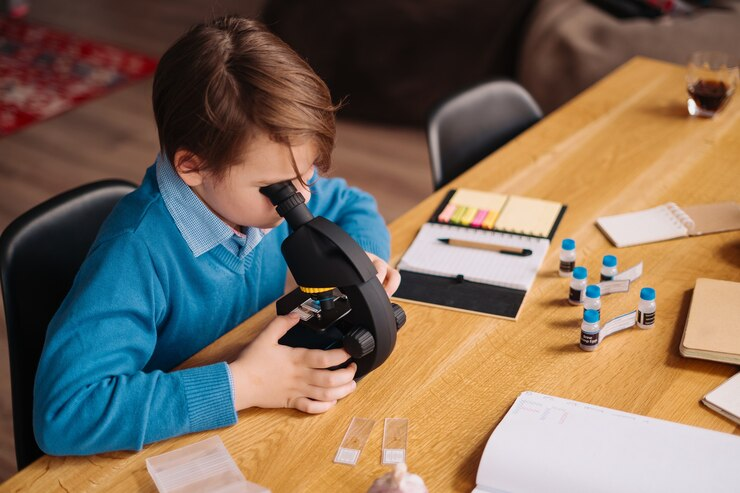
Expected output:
(40, 254)
(471, 124)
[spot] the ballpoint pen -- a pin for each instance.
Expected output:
(509, 250)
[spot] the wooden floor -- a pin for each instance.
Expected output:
(114, 136)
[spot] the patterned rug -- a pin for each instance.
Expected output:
(44, 72)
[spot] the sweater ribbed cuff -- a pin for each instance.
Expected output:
(209, 397)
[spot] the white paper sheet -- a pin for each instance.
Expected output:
(546, 443)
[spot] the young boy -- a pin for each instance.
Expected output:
(195, 250)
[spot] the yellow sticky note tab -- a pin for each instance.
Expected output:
(457, 216)
(490, 220)
(469, 215)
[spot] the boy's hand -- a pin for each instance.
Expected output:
(389, 277)
(269, 375)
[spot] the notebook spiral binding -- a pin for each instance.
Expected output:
(680, 216)
(486, 233)
(518, 232)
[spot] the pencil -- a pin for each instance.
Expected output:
(523, 252)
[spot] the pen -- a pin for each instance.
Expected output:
(522, 252)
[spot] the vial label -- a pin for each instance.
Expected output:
(606, 278)
(589, 339)
(597, 311)
(575, 295)
(645, 318)
(566, 266)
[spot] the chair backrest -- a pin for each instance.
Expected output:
(471, 124)
(40, 254)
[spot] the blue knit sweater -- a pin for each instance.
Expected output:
(141, 304)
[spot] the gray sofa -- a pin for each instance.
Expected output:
(570, 44)
(392, 60)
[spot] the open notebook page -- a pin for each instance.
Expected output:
(558, 445)
(428, 255)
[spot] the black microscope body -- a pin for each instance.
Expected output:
(339, 299)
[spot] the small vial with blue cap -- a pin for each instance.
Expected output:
(592, 301)
(608, 267)
(567, 257)
(590, 330)
(646, 309)
(577, 286)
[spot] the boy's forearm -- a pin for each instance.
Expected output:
(126, 412)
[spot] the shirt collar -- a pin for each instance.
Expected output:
(199, 226)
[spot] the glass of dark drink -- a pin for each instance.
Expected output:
(711, 80)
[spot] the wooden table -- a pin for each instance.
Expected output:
(625, 144)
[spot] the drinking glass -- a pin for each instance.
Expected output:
(711, 79)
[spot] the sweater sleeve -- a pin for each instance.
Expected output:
(353, 210)
(92, 393)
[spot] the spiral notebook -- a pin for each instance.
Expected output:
(669, 221)
(427, 255)
(473, 279)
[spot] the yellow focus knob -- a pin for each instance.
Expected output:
(314, 290)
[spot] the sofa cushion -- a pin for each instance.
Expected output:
(570, 44)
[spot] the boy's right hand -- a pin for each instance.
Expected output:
(269, 375)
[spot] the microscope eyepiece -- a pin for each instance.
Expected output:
(288, 202)
(278, 192)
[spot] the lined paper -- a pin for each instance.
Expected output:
(428, 255)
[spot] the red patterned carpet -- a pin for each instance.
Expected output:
(44, 72)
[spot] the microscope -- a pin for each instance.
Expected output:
(339, 299)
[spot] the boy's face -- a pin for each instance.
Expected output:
(236, 198)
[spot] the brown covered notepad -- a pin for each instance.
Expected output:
(713, 325)
(669, 221)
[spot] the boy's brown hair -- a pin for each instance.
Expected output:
(227, 79)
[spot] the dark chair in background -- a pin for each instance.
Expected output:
(471, 124)
(40, 254)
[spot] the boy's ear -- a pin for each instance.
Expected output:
(188, 166)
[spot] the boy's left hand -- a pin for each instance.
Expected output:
(389, 277)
